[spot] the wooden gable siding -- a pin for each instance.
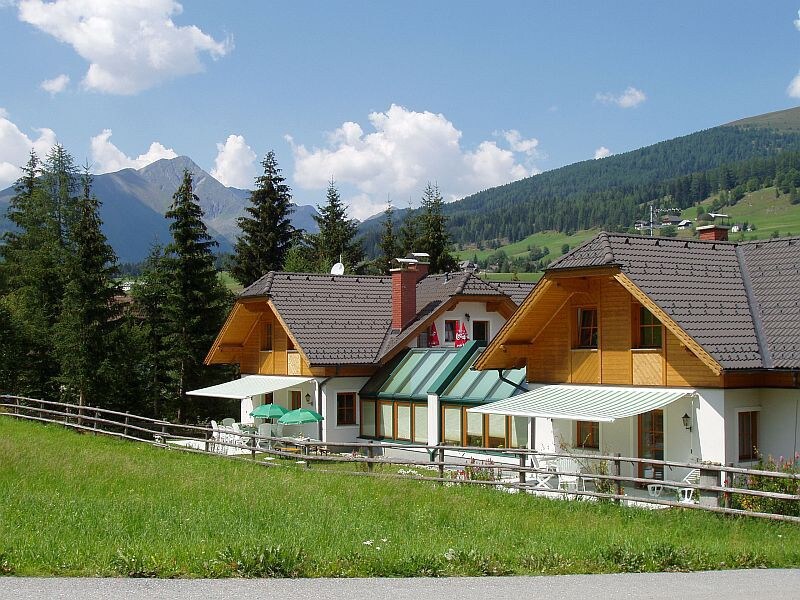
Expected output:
(684, 368)
(552, 358)
(242, 339)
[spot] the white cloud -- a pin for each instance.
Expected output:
(630, 98)
(130, 46)
(107, 158)
(794, 85)
(16, 146)
(406, 150)
(602, 152)
(234, 163)
(55, 85)
(518, 144)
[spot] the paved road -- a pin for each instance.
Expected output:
(728, 585)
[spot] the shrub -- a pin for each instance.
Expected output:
(769, 484)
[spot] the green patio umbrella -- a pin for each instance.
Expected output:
(268, 411)
(300, 416)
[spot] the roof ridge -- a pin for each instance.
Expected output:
(755, 312)
(608, 257)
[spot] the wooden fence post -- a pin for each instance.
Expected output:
(616, 471)
(370, 454)
(125, 430)
(727, 481)
(16, 407)
(96, 416)
(207, 435)
(708, 478)
(523, 459)
(441, 463)
(80, 416)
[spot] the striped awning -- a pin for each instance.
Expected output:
(250, 385)
(584, 402)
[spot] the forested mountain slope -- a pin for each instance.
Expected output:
(613, 192)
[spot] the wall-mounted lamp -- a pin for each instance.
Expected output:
(466, 316)
(308, 398)
(687, 421)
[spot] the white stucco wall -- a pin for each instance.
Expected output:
(779, 420)
(331, 431)
(477, 312)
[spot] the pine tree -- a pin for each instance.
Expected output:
(33, 257)
(410, 232)
(150, 295)
(88, 311)
(434, 238)
(267, 233)
(387, 242)
(197, 301)
(336, 240)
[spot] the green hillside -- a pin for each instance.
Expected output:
(762, 208)
(787, 121)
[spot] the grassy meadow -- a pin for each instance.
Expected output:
(81, 505)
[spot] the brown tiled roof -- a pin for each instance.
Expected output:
(339, 320)
(738, 301)
(774, 270)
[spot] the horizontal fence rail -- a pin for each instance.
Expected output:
(512, 469)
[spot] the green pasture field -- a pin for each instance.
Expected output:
(78, 505)
(550, 239)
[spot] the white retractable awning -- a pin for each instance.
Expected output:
(583, 402)
(250, 385)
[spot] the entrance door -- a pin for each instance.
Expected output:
(651, 443)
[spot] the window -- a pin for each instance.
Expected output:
(519, 432)
(368, 418)
(346, 408)
(289, 343)
(422, 340)
(650, 330)
(386, 419)
(748, 435)
(266, 342)
(421, 423)
(496, 431)
(587, 328)
(588, 435)
(480, 331)
(403, 421)
(451, 425)
(474, 430)
(296, 398)
(450, 330)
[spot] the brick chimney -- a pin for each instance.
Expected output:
(713, 233)
(404, 288)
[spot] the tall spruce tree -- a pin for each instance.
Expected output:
(336, 240)
(150, 295)
(388, 242)
(88, 310)
(410, 233)
(434, 238)
(267, 233)
(197, 301)
(34, 256)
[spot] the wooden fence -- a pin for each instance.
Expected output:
(516, 469)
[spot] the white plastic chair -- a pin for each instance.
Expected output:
(265, 429)
(685, 495)
(568, 470)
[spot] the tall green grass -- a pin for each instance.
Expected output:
(74, 504)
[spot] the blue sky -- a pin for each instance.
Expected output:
(382, 96)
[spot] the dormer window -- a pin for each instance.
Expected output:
(586, 328)
(650, 330)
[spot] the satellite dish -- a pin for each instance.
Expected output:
(337, 269)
